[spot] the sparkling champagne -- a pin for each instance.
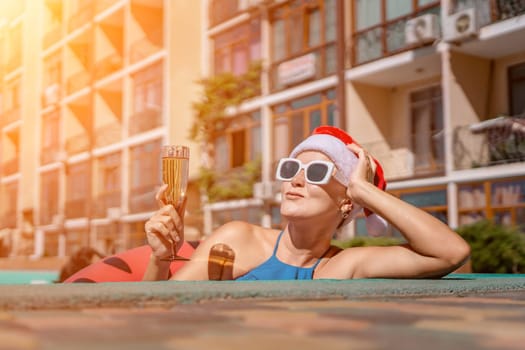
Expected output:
(175, 167)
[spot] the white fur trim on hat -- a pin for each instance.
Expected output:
(345, 162)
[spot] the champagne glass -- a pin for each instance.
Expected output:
(175, 168)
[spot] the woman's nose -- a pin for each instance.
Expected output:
(298, 179)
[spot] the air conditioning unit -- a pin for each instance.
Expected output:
(461, 25)
(51, 94)
(266, 190)
(422, 29)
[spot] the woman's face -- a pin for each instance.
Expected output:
(303, 199)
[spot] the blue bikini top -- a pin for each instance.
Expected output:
(274, 269)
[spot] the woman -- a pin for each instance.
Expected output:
(326, 182)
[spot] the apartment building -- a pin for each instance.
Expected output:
(90, 90)
(434, 89)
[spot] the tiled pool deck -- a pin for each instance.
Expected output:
(461, 311)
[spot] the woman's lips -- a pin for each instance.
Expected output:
(293, 195)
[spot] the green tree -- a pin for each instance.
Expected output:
(220, 92)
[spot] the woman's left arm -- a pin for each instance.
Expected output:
(432, 248)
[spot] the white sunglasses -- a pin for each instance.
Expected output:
(317, 172)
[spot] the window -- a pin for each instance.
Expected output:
(145, 176)
(78, 186)
(239, 142)
(500, 200)
(9, 205)
(235, 48)
(303, 34)
(12, 98)
(50, 137)
(222, 10)
(296, 119)
(15, 47)
(427, 134)
(516, 76)
(380, 25)
(147, 100)
(433, 200)
(148, 89)
(109, 183)
(52, 73)
(49, 196)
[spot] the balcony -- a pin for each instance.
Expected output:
(77, 208)
(51, 95)
(102, 5)
(14, 62)
(108, 134)
(52, 36)
(313, 64)
(144, 121)
(8, 220)
(492, 142)
(10, 167)
(105, 201)
(107, 66)
(404, 162)
(78, 143)
(78, 81)
(10, 116)
(81, 17)
(146, 46)
(494, 29)
(50, 154)
(381, 39)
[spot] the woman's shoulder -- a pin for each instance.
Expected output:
(243, 232)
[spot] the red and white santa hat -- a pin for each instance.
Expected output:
(332, 142)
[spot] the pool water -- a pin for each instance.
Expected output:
(27, 276)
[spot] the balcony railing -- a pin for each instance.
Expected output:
(142, 199)
(492, 142)
(144, 121)
(105, 201)
(409, 161)
(78, 81)
(10, 167)
(146, 46)
(77, 144)
(108, 134)
(49, 154)
(385, 38)
(507, 9)
(107, 66)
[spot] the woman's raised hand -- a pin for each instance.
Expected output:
(363, 173)
(165, 229)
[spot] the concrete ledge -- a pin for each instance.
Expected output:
(169, 293)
